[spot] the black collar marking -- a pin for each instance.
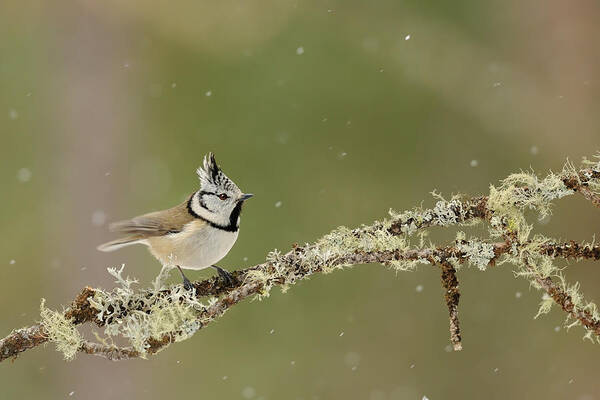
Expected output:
(233, 218)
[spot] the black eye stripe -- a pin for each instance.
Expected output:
(202, 193)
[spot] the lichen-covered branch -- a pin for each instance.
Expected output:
(152, 319)
(586, 316)
(21, 340)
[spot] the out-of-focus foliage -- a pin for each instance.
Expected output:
(331, 113)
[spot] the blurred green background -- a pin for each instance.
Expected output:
(336, 111)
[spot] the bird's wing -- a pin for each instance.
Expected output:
(157, 223)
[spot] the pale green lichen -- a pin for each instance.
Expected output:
(523, 191)
(149, 314)
(407, 265)
(545, 305)
(332, 252)
(538, 266)
(444, 213)
(477, 252)
(163, 318)
(593, 165)
(61, 331)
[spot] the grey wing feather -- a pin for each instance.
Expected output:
(156, 223)
(137, 225)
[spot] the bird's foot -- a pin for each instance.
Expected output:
(225, 276)
(187, 285)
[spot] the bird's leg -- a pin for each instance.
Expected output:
(226, 276)
(186, 282)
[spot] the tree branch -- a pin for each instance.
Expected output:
(153, 319)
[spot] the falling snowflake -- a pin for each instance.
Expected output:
(352, 359)
(24, 175)
(534, 150)
(248, 392)
(98, 218)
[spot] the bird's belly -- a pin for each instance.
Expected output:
(203, 249)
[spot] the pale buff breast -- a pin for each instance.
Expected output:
(198, 246)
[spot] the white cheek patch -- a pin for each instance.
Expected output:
(206, 214)
(198, 209)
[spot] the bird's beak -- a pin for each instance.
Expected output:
(246, 196)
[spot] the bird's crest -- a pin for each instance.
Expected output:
(212, 177)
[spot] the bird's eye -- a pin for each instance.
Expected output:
(223, 196)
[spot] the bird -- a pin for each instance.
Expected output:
(195, 234)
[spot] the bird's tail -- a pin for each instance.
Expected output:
(119, 243)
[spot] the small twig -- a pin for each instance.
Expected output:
(21, 340)
(591, 196)
(572, 250)
(565, 301)
(452, 296)
(112, 353)
(580, 183)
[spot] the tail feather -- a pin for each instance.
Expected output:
(119, 243)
